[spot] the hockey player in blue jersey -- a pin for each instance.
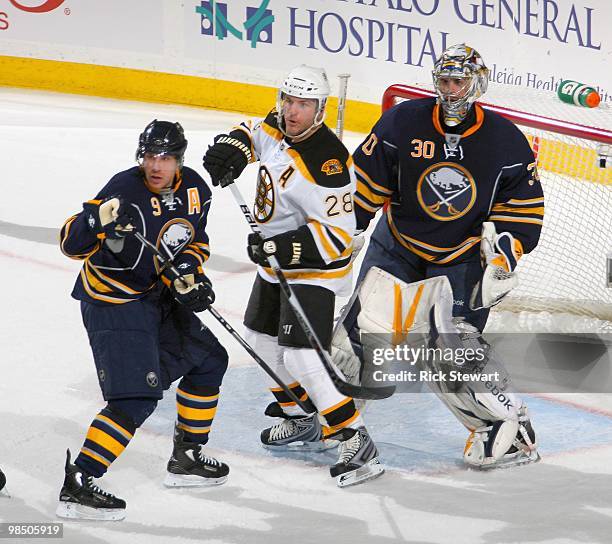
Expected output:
(140, 321)
(463, 200)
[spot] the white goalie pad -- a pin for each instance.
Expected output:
(386, 312)
(385, 309)
(485, 393)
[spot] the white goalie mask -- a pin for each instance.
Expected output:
(304, 82)
(460, 62)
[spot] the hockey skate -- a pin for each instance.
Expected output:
(189, 466)
(81, 498)
(294, 433)
(502, 444)
(358, 458)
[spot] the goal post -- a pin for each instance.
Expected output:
(567, 272)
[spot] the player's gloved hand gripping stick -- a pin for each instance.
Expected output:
(167, 263)
(345, 388)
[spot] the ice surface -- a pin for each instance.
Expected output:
(56, 151)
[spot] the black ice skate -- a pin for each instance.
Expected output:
(81, 498)
(358, 458)
(294, 433)
(189, 466)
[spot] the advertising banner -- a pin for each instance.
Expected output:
(531, 44)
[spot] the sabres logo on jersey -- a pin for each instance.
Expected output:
(446, 191)
(331, 167)
(174, 236)
(264, 196)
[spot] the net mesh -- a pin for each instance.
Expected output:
(566, 273)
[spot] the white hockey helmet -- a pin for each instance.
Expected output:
(460, 62)
(304, 82)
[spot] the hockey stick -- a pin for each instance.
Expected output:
(167, 263)
(341, 104)
(342, 386)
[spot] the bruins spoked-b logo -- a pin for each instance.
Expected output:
(446, 191)
(264, 196)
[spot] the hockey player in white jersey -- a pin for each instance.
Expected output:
(304, 207)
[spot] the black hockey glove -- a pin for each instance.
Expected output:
(227, 155)
(286, 247)
(192, 289)
(109, 218)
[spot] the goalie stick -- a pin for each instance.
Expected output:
(166, 262)
(345, 388)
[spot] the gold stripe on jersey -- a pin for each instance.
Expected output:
(64, 235)
(514, 219)
(199, 250)
(196, 255)
(410, 244)
(342, 234)
(371, 183)
(521, 210)
(114, 284)
(364, 191)
(321, 235)
(365, 205)
(309, 274)
(300, 165)
(526, 201)
(99, 296)
(271, 131)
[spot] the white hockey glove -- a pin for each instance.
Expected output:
(499, 254)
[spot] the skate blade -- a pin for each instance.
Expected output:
(73, 510)
(372, 469)
(307, 447)
(191, 480)
(509, 463)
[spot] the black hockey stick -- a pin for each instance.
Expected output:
(347, 389)
(166, 262)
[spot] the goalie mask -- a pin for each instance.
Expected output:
(162, 138)
(462, 64)
(307, 82)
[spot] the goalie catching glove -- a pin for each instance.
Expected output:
(229, 154)
(192, 288)
(109, 218)
(499, 254)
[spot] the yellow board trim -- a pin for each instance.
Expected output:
(149, 86)
(246, 98)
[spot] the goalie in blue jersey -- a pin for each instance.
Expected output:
(462, 200)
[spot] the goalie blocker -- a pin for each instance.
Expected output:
(421, 316)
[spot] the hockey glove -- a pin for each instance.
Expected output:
(286, 247)
(192, 288)
(499, 254)
(228, 155)
(109, 218)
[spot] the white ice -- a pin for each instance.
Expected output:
(55, 152)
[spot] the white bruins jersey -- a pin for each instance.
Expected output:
(310, 183)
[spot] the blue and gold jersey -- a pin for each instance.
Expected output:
(122, 270)
(439, 187)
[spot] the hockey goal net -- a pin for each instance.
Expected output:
(566, 273)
